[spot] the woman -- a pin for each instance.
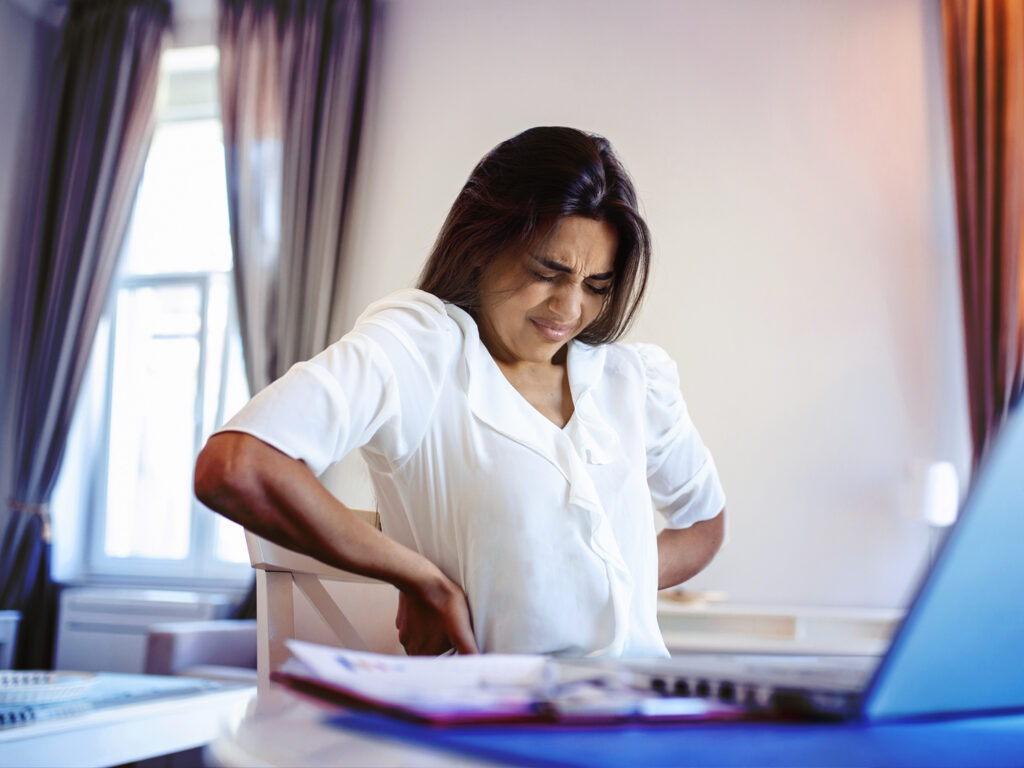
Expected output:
(514, 448)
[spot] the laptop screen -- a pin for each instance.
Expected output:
(960, 648)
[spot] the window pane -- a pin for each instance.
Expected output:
(180, 221)
(231, 542)
(218, 329)
(172, 374)
(153, 422)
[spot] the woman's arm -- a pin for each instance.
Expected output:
(685, 552)
(280, 499)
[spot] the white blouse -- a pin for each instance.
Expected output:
(549, 531)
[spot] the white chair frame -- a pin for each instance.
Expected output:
(277, 569)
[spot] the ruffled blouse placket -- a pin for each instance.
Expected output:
(587, 438)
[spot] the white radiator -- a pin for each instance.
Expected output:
(104, 629)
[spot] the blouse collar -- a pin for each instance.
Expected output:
(496, 402)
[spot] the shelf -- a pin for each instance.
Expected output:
(729, 627)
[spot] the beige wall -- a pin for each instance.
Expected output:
(791, 159)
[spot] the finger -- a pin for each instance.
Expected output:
(461, 636)
(400, 616)
(442, 647)
(466, 644)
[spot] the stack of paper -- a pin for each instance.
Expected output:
(483, 688)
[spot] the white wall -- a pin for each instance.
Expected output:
(791, 157)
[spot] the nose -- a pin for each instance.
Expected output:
(566, 301)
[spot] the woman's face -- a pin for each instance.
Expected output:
(532, 304)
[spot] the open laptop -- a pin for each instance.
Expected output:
(959, 649)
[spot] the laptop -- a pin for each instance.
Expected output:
(959, 649)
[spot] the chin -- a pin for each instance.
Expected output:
(548, 352)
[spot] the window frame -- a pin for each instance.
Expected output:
(202, 564)
(201, 568)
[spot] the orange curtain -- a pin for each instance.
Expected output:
(984, 47)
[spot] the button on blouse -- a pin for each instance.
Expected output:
(549, 531)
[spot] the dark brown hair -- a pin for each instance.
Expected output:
(513, 199)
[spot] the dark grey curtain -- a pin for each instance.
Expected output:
(293, 79)
(95, 132)
(292, 88)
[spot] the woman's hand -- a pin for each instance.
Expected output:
(434, 619)
(279, 498)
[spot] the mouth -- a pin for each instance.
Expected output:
(551, 331)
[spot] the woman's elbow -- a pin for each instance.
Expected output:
(222, 473)
(716, 534)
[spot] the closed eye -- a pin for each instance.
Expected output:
(594, 289)
(545, 278)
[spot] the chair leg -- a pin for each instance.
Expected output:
(275, 616)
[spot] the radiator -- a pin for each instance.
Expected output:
(104, 629)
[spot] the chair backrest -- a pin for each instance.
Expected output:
(280, 572)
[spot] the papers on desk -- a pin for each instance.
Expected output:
(483, 689)
(105, 690)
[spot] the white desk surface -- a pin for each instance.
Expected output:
(280, 728)
(113, 735)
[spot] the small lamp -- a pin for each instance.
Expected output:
(933, 498)
(936, 493)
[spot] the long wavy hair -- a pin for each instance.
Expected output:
(512, 201)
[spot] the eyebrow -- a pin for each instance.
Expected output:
(563, 268)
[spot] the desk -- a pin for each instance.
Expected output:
(281, 728)
(135, 717)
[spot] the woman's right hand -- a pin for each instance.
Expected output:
(279, 498)
(434, 618)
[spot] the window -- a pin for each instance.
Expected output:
(167, 366)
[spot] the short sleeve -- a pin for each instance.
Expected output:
(375, 388)
(680, 471)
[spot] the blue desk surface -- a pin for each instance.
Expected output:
(990, 742)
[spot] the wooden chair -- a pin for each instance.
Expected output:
(280, 573)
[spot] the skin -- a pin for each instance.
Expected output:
(684, 553)
(531, 306)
